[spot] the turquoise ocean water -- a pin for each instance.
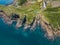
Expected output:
(6, 2)
(9, 35)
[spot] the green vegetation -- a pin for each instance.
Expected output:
(30, 11)
(21, 2)
(53, 16)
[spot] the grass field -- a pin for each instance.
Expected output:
(53, 16)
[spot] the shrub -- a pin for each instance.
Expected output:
(22, 2)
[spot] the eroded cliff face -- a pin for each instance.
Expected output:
(38, 20)
(6, 19)
(48, 28)
(20, 22)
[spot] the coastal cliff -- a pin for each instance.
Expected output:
(30, 16)
(50, 22)
(9, 20)
(39, 20)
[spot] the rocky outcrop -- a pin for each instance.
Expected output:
(49, 33)
(39, 19)
(33, 24)
(14, 17)
(24, 20)
(36, 21)
(6, 18)
(19, 23)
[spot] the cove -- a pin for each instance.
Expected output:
(6, 2)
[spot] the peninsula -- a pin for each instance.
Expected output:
(30, 13)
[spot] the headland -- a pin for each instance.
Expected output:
(30, 14)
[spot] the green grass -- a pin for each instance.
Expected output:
(53, 16)
(30, 11)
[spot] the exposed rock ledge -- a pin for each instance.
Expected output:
(50, 33)
(6, 19)
(9, 20)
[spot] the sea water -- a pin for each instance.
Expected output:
(6, 2)
(9, 35)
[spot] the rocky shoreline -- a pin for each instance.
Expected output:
(48, 28)
(38, 20)
(9, 20)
